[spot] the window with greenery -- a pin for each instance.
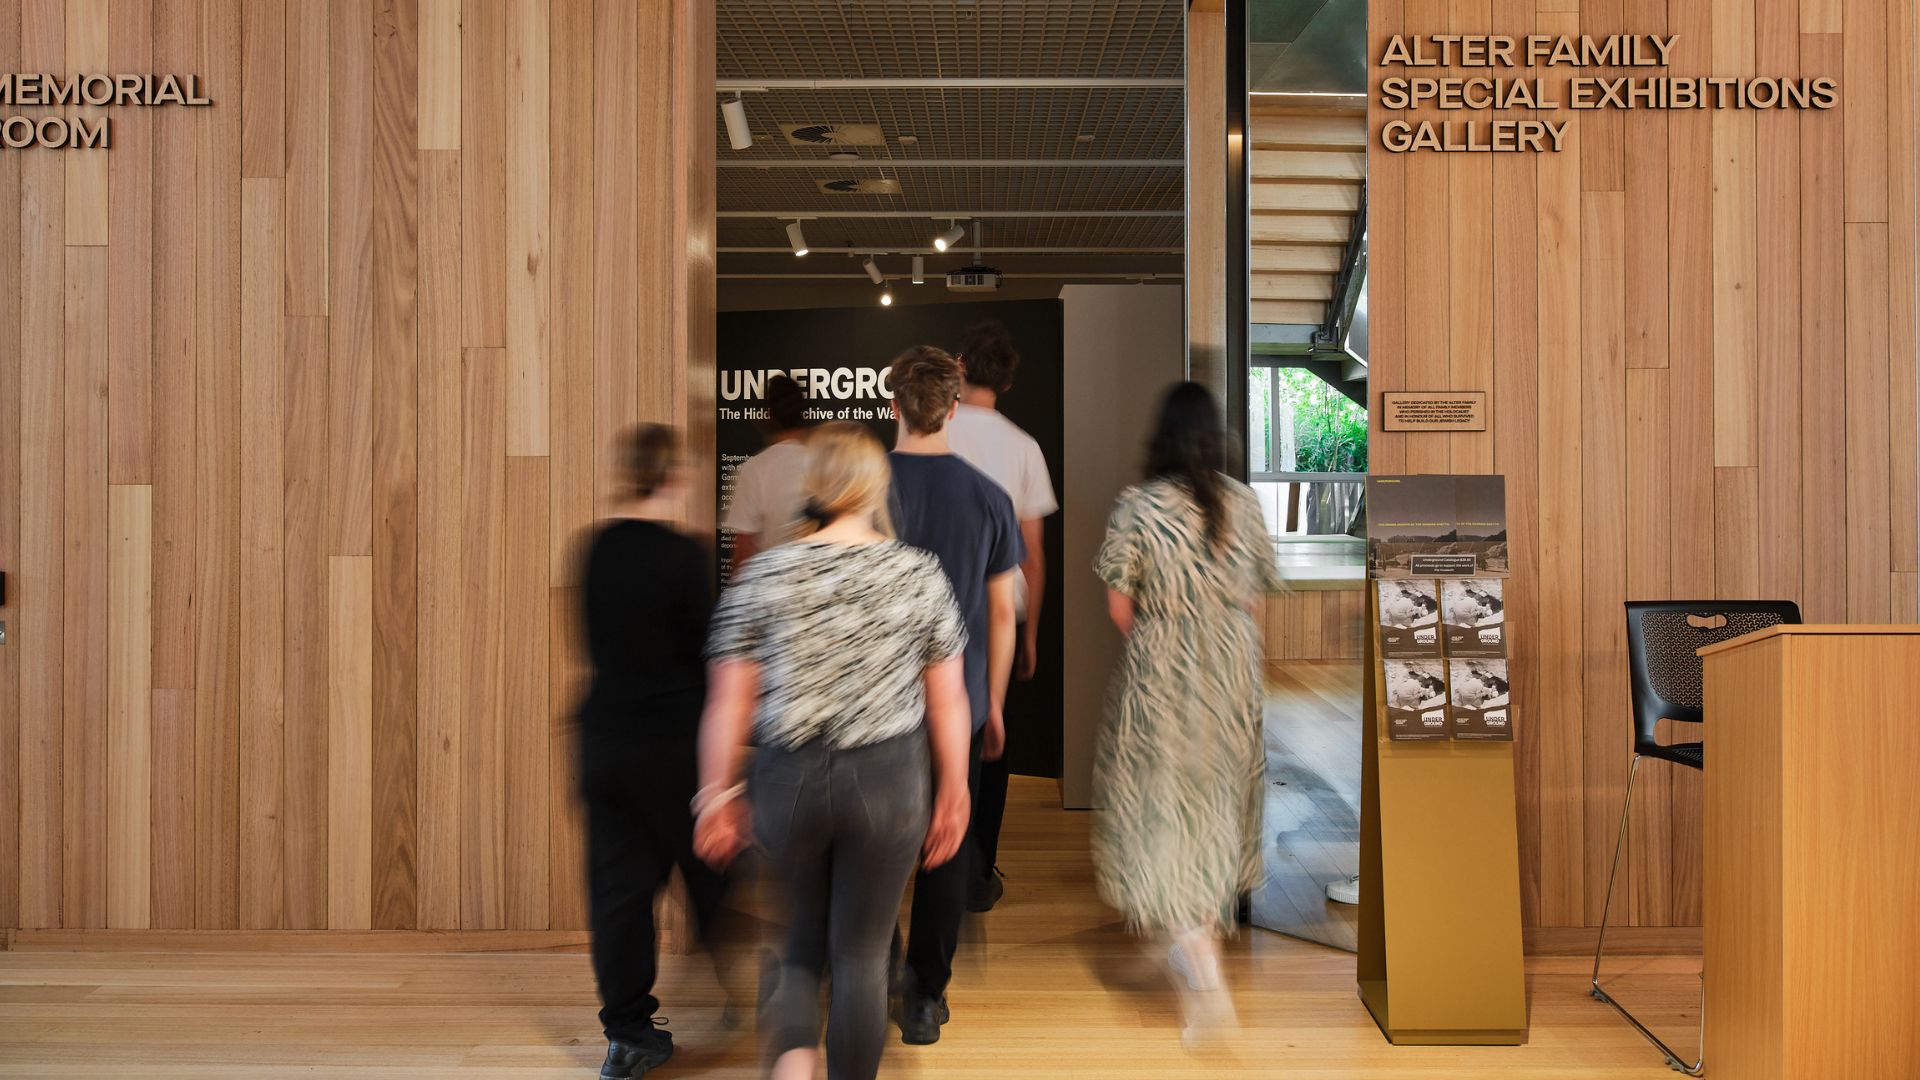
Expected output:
(1299, 423)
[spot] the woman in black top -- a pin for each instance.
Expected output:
(647, 599)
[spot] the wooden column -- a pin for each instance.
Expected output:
(1207, 194)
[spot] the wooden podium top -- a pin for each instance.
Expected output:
(1784, 629)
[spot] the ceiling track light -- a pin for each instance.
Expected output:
(951, 237)
(797, 238)
(886, 296)
(873, 271)
(739, 135)
(919, 269)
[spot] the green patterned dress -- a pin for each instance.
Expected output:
(1179, 763)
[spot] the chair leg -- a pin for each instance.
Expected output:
(1606, 907)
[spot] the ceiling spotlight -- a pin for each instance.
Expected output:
(843, 155)
(919, 269)
(739, 135)
(886, 296)
(797, 238)
(909, 140)
(1083, 137)
(873, 270)
(949, 238)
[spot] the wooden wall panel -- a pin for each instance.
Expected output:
(350, 278)
(395, 460)
(304, 407)
(350, 825)
(130, 347)
(483, 634)
(129, 806)
(87, 25)
(10, 323)
(1703, 380)
(84, 623)
(35, 603)
(263, 645)
(216, 496)
(303, 827)
(442, 527)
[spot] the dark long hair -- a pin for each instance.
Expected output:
(1188, 448)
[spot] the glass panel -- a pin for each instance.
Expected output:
(1321, 429)
(1260, 420)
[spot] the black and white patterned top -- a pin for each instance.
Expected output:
(842, 634)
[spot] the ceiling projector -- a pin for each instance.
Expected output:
(973, 279)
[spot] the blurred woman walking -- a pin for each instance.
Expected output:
(839, 654)
(1187, 560)
(646, 598)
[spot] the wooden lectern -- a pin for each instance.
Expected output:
(1812, 877)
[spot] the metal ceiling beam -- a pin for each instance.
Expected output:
(949, 215)
(1043, 82)
(955, 163)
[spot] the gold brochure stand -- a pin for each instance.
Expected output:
(1440, 949)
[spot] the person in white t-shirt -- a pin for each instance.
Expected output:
(996, 446)
(767, 500)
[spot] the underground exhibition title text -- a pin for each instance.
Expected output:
(81, 131)
(1495, 53)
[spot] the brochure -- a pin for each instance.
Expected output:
(1474, 618)
(1480, 700)
(1416, 699)
(1409, 619)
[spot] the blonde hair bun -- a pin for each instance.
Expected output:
(846, 473)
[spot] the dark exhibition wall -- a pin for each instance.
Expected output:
(829, 348)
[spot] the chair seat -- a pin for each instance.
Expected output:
(1690, 754)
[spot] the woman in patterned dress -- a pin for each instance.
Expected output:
(1187, 561)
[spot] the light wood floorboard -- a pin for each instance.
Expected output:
(1047, 985)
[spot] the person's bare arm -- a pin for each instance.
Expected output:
(721, 831)
(1120, 610)
(745, 546)
(1000, 645)
(949, 731)
(1034, 569)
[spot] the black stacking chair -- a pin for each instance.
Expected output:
(1663, 639)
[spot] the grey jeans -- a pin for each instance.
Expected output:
(842, 831)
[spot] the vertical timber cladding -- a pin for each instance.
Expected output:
(319, 338)
(1675, 245)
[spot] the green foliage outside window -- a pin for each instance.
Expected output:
(1319, 429)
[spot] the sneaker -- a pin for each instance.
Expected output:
(984, 892)
(630, 1060)
(1346, 891)
(920, 1019)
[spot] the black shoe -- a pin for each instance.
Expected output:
(984, 892)
(632, 1060)
(920, 1019)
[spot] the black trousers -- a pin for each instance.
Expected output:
(990, 806)
(639, 828)
(842, 830)
(939, 905)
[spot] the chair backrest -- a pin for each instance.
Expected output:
(1663, 639)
